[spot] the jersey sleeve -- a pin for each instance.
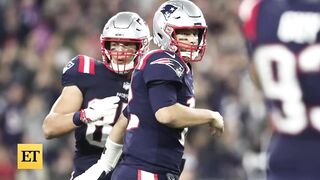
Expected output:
(248, 14)
(70, 72)
(164, 69)
(162, 95)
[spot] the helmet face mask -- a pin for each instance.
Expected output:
(130, 35)
(121, 54)
(189, 50)
(174, 16)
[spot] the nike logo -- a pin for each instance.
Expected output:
(171, 55)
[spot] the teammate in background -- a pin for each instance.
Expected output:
(161, 99)
(283, 42)
(95, 92)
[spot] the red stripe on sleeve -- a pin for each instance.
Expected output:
(91, 66)
(250, 27)
(81, 64)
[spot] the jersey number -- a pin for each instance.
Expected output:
(191, 103)
(98, 132)
(277, 68)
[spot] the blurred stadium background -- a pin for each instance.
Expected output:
(38, 37)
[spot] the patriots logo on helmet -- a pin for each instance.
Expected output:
(172, 63)
(168, 10)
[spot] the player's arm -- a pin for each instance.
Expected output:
(163, 98)
(59, 121)
(164, 78)
(111, 154)
(114, 144)
(66, 114)
(180, 116)
(119, 129)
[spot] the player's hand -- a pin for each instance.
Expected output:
(217, 124)
(99, 108)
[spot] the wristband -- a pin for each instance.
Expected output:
(76, 119)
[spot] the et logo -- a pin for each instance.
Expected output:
(29, 156)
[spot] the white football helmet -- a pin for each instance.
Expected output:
(179, 14)
(124, 27)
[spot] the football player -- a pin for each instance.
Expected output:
(283, 42)
(95, 92)
(161, 98)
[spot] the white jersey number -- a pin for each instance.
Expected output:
(191, 103)
(277, 67)
(98, 131)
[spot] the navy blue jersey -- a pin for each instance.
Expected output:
(284, 44)
(150, 145)
(95, 81)
(283, 40)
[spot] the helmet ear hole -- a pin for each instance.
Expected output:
(107, 45)
(138, 46)
(200, 35)
(173, 34)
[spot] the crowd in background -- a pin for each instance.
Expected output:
(38, 37)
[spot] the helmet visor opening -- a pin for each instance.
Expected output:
(121, 54)
(190, 42)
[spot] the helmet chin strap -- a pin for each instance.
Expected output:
(122, 68)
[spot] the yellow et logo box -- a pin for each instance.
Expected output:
(30, 156)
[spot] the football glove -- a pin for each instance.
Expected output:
(107, 162)
(99, 108)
